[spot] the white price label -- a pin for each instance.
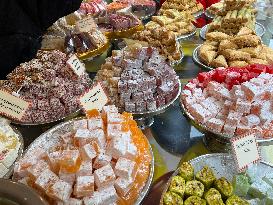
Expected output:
(94, 98)
(12, 106)
(76, 65)
(86, 24)
(245, 150)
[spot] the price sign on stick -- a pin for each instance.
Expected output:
(12, 106)
(245, 150)
(86, 24)
(76, 65)
(94, 98)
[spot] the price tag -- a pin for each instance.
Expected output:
(86, 24)
(12, 106)
(76, 65)
(94, 98)
(245, 150)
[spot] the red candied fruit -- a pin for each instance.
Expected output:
(205, 77)
(258, 68)
(269, 69)
(220, 75)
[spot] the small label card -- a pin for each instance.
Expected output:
(94, 98)
(76, 65)
(12, 106)
(245, 150)
(86, 24)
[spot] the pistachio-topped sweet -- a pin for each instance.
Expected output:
(177, 185)
(236, 200)
(206, 176)
(195, 200)
(171, 198)
(224, 187)
(186, 171)
(194, 188)
(213, 197)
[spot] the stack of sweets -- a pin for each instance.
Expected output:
(94, 7)
(232, 101)
(85, 41)
(233, 16)
(49, 84)
(9, 147)
(98, 162)
(184, 5)
(138, 79)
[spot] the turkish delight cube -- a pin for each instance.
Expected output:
(160, 101)
(186, 93)
(71, 201)
(98, 136)
(67, 177)
(84, 186)
(268, 178)
(60, 190)
(199, 113)
(113, 130)
(125, 168)
(141, 106)
(117, 147)
(95, 123)
(130, 107)
(88, 152)
(138, 96)
(46, 179)
(54, 159)
(251, 120)
(190, 86)
(223, 93)
(104, 196)
(242, 129)
(131, 151)
(70, 159)
(215, 124)
(80, 124)
(85, 169)
(35, 170)
(114, 118)
(151, 105)
(242, 106)
(101, 160)
(132, 85)
(123, 185)
(241, 185)
(67, 138)
(252, 91)
(233, 118)
(104, 176)
(108, 109)
(259, 189)
(229, 129)
(258, 81)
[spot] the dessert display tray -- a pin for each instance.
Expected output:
(222, 164)
(124, 33)
(198, 14)
(145, 119)
(20, 152)
(52, 137)
(94, 53)
(220, 136)
(187, 36)
(197, 60)
(209, 15)
(259, 30)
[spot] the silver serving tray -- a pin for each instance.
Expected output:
(52, 138)
(259, 30)
(198, 14)
(223, 165)
(209, 15)
(221, 136)
(197, 60)
(187, 36)
(20, 152)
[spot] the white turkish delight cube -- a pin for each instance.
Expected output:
(82, 136)
(108, 109)
(104, 176)
(131, 151)
(125, 168)
(265, 76)
(212, 87)
(67, 177)
(199, 113)
(113, 130)
(258, 81)
(46, 179)
(190, 86)
(101, 160)
(233, 118)
(105, 196)
(189, 101)
(84, 186)
(35, 170)
(88, 152)
(242, 106)
(99, 137)
(85, 169)
(215, 124)
(114, 118)
(123, 185)
(186, 93)
(95, 123)
(252, 91)
(251, 120)
(223, 93)
(117, 147)
(60, 190)
(67, 138)
(198, 94)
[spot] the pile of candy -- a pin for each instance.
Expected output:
(104, 159)
(49, 84)
(85, 41)
(117, 22)
(233, 100)
(139, 79)
(9, 147)
(93, 7)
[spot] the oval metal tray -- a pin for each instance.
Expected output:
(198, 14)
(197, 60)
(222, 164)
(221, 136)
(52, 137)
(259, 30)
(209, 15)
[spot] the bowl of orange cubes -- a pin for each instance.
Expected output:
(101, 159)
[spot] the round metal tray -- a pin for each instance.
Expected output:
(259, 30)
(52, 137)
(197, 60)
(20, 152)
(222, 164)
(209, 15)
(187, 36)
(198, 14)
(221, 137)
(145, 119)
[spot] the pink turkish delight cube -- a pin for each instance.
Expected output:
(242, 129)
(125, 168)
(229, 129)
(123, 185)
(215, 124)
(242, 106)
(223, 93)
(199, 113)
(117, 147)
(130, 107)
(137, 96)
(60, 190)
(85, 169)
(46, 179)
(84, 186)
(104, 176)
(122, 86)
(151, 105)
(256, 108)
(141, 106)
(82, 136)
(233, 118)
(190, 86)
(252, 91)
(102, 160)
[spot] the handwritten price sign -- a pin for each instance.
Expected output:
(245, 150)
(76, 65)
(95, 98)
(12, 106)
(86, 24)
